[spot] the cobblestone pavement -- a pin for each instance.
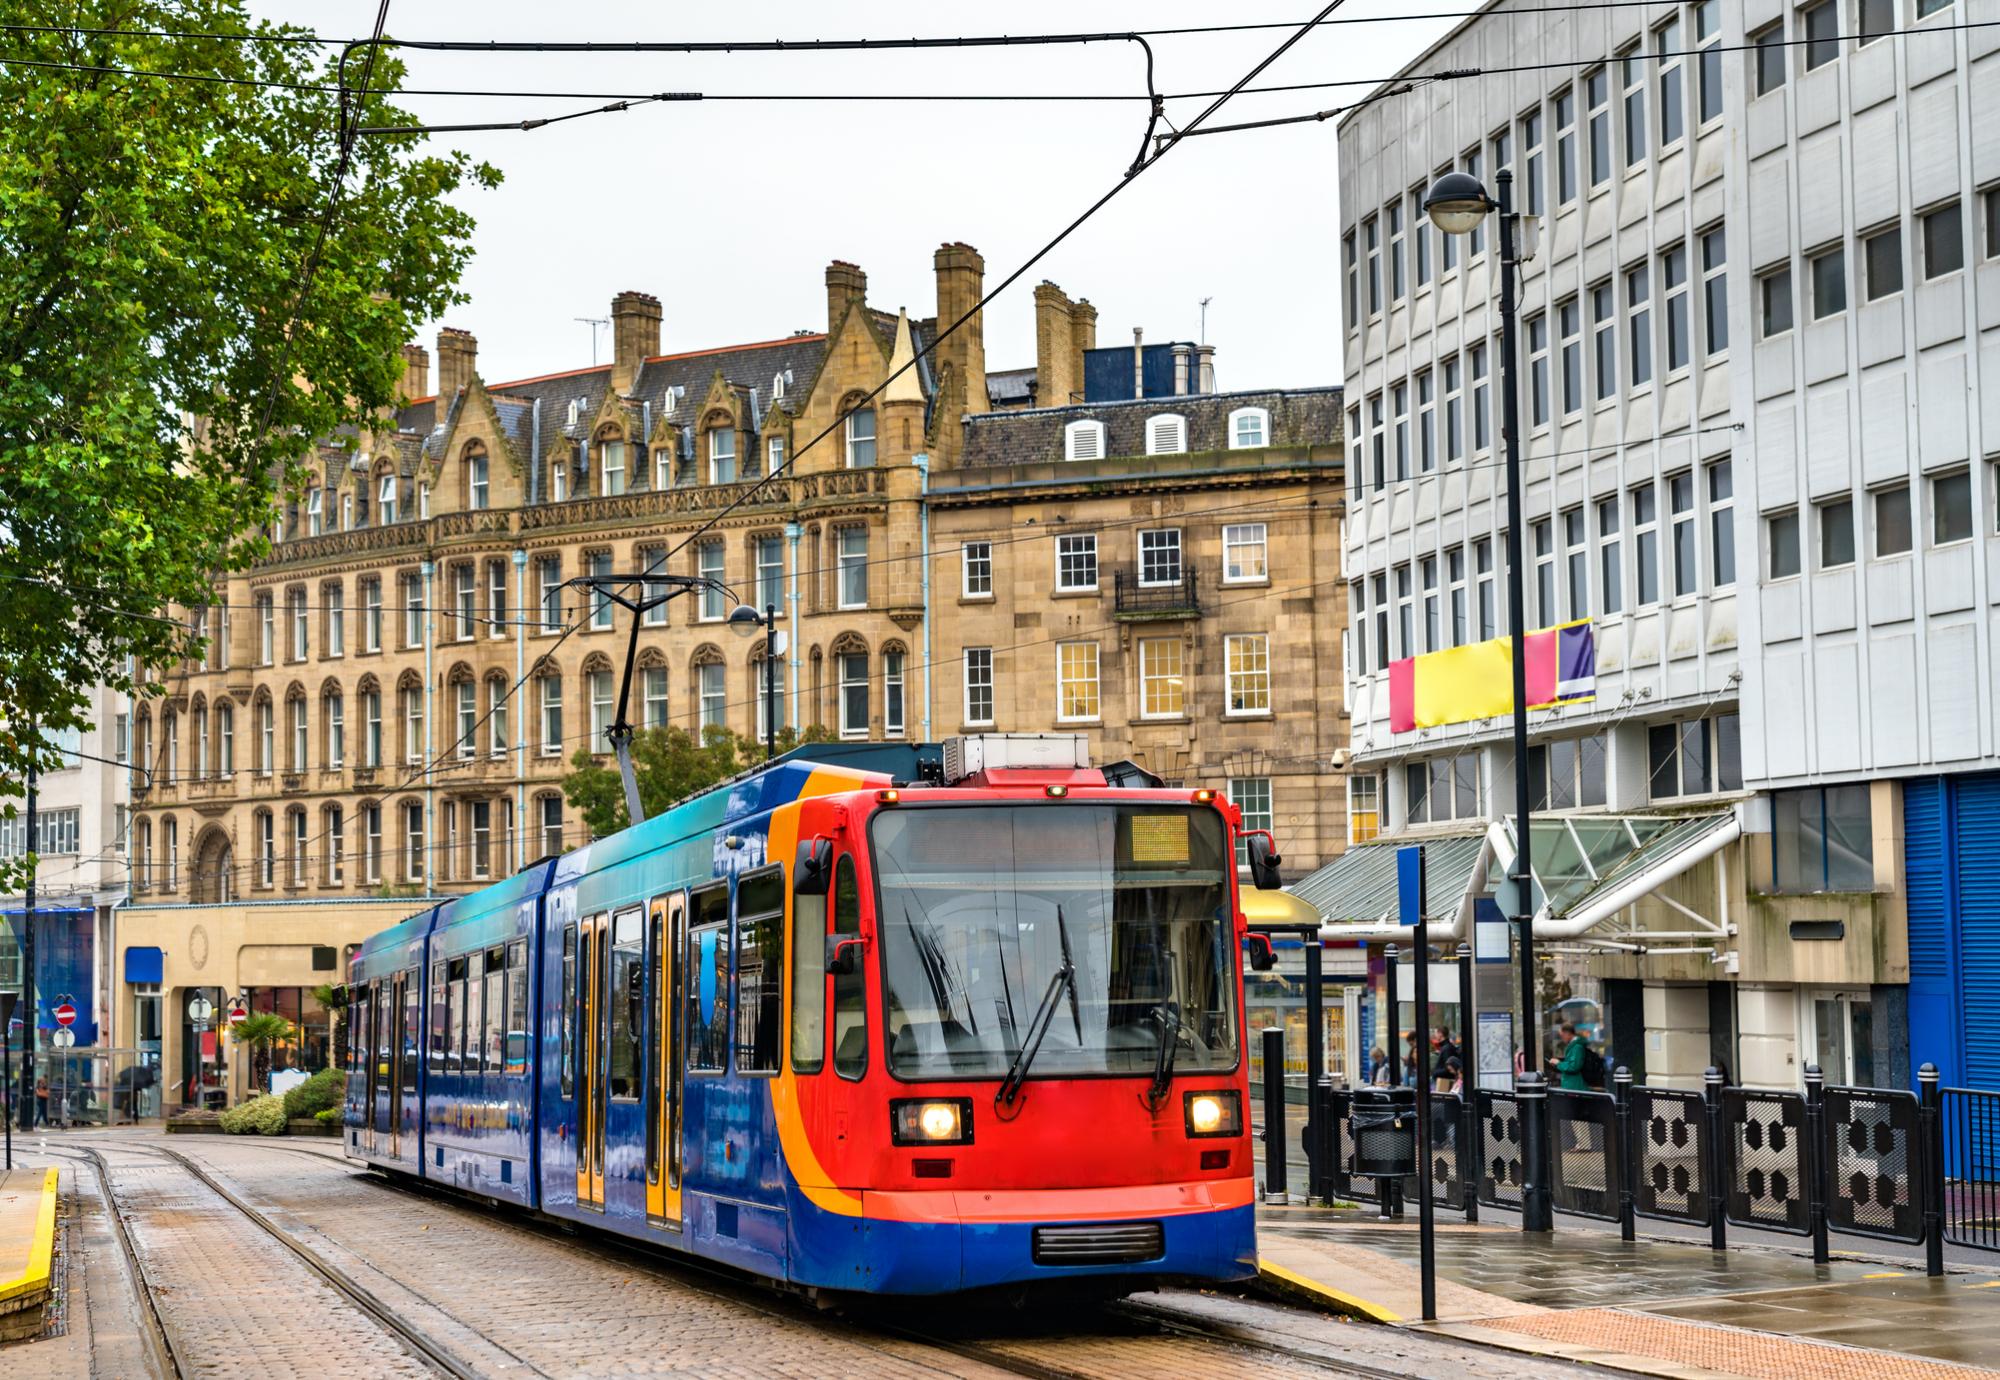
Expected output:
(510, 1299)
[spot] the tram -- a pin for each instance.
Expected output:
(870, 1019)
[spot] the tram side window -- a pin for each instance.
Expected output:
(760, 957)
(413, 1002)
(496, 1009)
(455, 1021)
(517, 1007)
(707, 1017)
(850, 990)
(568, 1011)
(475, 969)
(440, 1018)
(808, 983)
(628, 1007)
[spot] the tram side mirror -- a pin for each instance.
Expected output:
(1263, 958)
(812, 870)
(1264, 860)
(843, 954)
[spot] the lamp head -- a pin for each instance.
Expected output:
(744, 620)
(1456, 203)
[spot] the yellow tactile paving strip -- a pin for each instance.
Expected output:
(1727, 1350)
(27, 1230)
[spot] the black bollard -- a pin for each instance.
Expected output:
(1532, 1101)
(1711, 1169)
(1933, 1169)
(1274, 1115)
(1815, 1162)
(1623, 1159)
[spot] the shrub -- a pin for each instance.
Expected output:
(263, 1115)
(324, 1089)
(328, 1116)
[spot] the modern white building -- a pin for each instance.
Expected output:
(1753, 416)
(82, 871)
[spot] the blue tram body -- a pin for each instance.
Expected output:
(653, 1034)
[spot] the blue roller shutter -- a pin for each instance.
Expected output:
(1976, 812)
(1928, 882)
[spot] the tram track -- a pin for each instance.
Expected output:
(177, 1358)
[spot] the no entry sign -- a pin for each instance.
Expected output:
(237, 1015)
(65, 1014)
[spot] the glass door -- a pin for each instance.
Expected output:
(593, 955)
(668, 919)
(1840, 1033)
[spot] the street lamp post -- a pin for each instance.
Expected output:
(770, 681)
(1456, 204)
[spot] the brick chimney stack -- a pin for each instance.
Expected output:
(457, 361)
(635, 335)
(844, 283)
(961, 279)
(1058, 363)
(416, 371)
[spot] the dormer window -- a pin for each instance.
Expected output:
(861, 438)
(315, 513)
(1166, 434)
(575, 406)
(611, 468)
(663, 468)
(722, 455)
(385, 499)
(777, 387)
(1083, 441)
(424, 502)
(476, 480)
(558, 481)
(1249, 428)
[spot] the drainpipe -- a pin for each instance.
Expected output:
(520, 720)
(793, 532)
(430, 727)
(923, 463)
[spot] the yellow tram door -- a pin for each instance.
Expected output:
(592, 1009)
(667, 917)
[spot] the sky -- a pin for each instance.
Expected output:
(729, 211)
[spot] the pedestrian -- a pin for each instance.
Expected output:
(41, 1099)
(1378, 1067)
(1446, 1061)
(1568, 1066)
(1410, 1059)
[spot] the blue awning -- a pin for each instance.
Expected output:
(143, 963)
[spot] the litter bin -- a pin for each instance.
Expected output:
(1385, 1132)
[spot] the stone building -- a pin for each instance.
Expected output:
(1161, 572)
(353, 741)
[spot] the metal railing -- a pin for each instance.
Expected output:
(1132, 597)
(1918, 1168)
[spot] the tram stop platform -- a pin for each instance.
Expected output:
(27, 1250)
(1653, 1306)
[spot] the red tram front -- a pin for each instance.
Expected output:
(1020, 1055)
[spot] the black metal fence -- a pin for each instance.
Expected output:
(1861, 1161)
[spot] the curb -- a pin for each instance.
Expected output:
(25, 1295)
(1291, 1285)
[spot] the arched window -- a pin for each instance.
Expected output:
(296, 861)
(652, 688)
(850, 667)
(771, 698)
(142, 855)
(170, 847)
(225, 740)
(892, 690)
(549, 708)
(1249, 428)
(142, 740)
(498, 736)
(598, 689)
(267, 848)
(170, 744)
(333, 836)
(861, 438)
(298, 746)
(267, 734)
(1166, 434)
(200, 737)
(711, 681)
(1083, 441)
(478, 477)
(333, 714)
(410, 706)
(610, 464)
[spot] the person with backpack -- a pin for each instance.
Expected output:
(1569, 1067)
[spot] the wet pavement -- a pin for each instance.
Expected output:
(1665, 1307)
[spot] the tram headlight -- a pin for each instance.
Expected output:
(1213, 1113)
(931, 1121)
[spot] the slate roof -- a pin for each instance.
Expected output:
(1011, 387)
(1299, 416)
(751, 367)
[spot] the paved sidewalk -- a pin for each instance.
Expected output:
(1652, 1306)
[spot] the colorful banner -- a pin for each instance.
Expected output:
(1461, 684)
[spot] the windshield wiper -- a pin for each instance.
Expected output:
(1169, 1017)
(1045, 1014)
(1075, 1011)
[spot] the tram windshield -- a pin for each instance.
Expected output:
(982, 905)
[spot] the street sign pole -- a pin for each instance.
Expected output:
(1411, 894)
(7, 1069)
(199, 1010)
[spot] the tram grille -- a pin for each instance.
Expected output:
(1100, 1243)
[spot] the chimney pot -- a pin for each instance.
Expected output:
(635, 335)
(416, 371)
(457, 362)
(845, 283)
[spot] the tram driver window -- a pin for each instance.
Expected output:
(707, 1017)
(473, 1026)
(413, 1000)
(760, 918)
(808, 983)
(628, 1007)
(850, 990)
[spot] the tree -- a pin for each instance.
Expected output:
(164, 375)
(259, 1032)
(671, 764)
(333, 997)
